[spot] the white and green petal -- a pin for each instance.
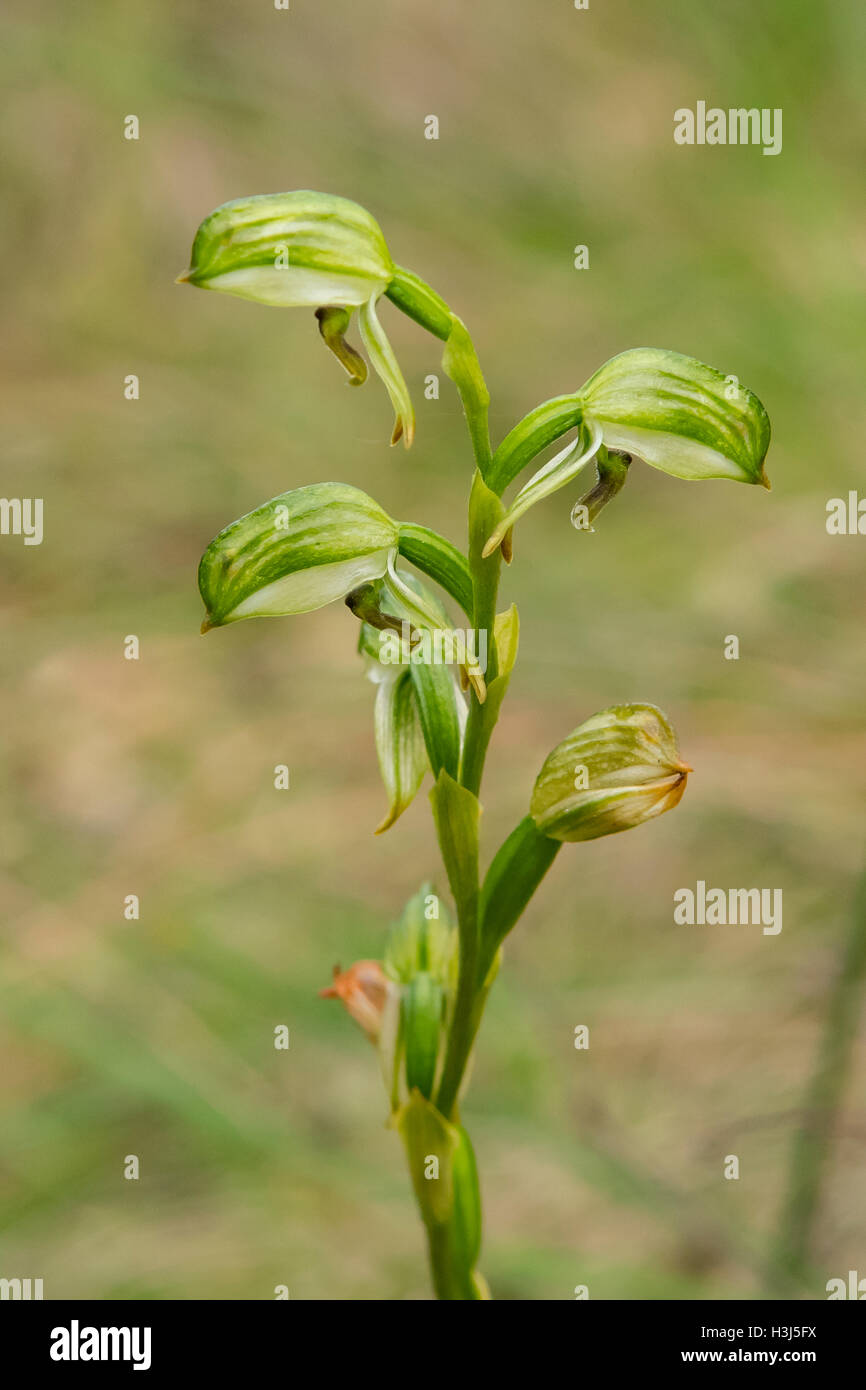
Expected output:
(291, 250)
(303, 249)
(299, 551)
(671, 411)
(399, 742)
(615, 771)
(679, 415)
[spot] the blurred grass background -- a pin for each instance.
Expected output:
(155, 777)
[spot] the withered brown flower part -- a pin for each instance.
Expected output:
(363, 990)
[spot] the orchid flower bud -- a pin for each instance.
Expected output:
(425, 939)
(373, 1000)
(401, 1003)
(296, 553)
(313, 250)
(363, 990)
(421, 955)
(615, 771)
(675, 413)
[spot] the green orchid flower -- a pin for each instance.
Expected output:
(671, 411)
(296, 553)
(308, 250)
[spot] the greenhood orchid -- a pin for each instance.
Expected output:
(308, 250)
(669, 410)
(422, 1004)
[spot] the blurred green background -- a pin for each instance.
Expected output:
(155, 777)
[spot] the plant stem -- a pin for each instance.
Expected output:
(451, 1283)
(484, 512)
(464, 1024)
(438, 1245)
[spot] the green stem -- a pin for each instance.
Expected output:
(484, 511)
(441, 1270)
(464, 1022)
(451, 1281)
(460, 361)
(420, 302)
(479, 728)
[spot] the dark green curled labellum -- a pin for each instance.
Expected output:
(611, 470)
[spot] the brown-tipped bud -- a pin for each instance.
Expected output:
(363, 990)
(617, 770)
